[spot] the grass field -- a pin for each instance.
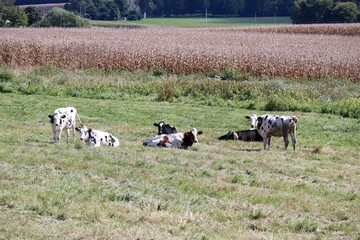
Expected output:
(217, 190)
(199, 22)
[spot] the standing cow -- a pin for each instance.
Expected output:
(277, 126)
(63, 118)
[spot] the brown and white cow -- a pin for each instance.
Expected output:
(175, 140)
(275, 126)
(97, 138)
(63, 118)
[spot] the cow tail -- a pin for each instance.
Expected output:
(78, 117)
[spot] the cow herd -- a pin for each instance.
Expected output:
(262, 129)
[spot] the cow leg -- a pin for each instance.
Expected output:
(265, 141)
(286, 140)
(67, 135)
(293, 139)
(269, 139)
(54, 134)
(58, 138)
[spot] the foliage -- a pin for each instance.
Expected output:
(270, 95)
(9, 17)
(6, 76)
(311, 11)
(33, 14)
(58, 17)
(345, 12)
(324, 11)
(133, 15)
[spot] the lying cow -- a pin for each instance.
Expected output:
(63, 118)
(164, 128)
(277, 126)
(97, 138)
(250, 135)
(175, 140)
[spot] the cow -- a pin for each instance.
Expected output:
(164, 128)
(275, 126)
(250, 135)
(97, 138)
(63, 118)
(175, 140)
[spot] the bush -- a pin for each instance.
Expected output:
(59, 17)
(282, 104)
(6, 76)
(349, 108)
(133, 15)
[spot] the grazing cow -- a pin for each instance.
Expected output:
(250, 135)
(164, 128)
(277, 126)
(175, 140)
(97, 138)
(63, 118)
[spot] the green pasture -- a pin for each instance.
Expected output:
(216, 190)
(198, 22)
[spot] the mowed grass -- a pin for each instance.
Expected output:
(216, 190)
(199, 22)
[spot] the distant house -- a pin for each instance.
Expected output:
(43, 5)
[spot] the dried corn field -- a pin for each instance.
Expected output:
(276, 52)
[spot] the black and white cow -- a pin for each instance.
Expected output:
(275, 126)
(164, 128)
(175, 140)
(63, 118)
(250, 135)
(97, 138)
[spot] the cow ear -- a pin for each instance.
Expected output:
(200, 132)
(155, 124)
(77, 129)
(50, 116)
(248, 117)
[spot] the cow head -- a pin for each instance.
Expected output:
(164, 128)
(84, 132)
(253, 120)
(160, 126)
(57, 119)
(191, 137)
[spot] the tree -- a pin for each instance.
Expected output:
(33, 14)
(12, 18)
(58, 17)
(345, 12)
(107, 10)
(311, 11)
